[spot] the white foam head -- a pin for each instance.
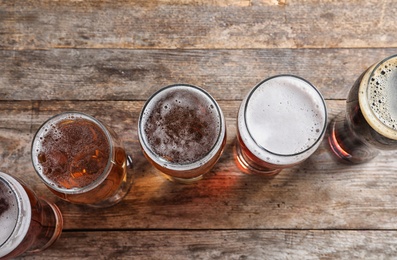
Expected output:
(166, 126)
(378, 97)
(282, 120)
(16, 214)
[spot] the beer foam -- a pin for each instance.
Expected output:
(8, 211)
(282, 120)
(181, 124)
(382, 93)
(70, 151)
(15, 214)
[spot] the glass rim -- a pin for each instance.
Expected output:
(175, 166)
(22, 225)
(324, 127)
(96, 182)
(367, 111)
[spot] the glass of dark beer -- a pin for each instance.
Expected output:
(182, 132)
(280, 123)
(368, 124)
(28, 224)
(81, 160)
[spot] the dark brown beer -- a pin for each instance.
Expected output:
(369, 122)
(27, 223)
(182, 131)
(80, 160)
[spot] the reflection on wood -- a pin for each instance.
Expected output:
(320, 193)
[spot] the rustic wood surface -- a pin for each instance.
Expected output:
(215, 244)
(107, 57)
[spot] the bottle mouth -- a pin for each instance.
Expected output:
(161, 160)
(36, 144)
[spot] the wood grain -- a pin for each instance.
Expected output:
(115, 74)
(218, 24)
(106, 57)
(242, 244)
(320, 193)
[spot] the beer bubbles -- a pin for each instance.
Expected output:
(369, 122)
(182, 132)
(281, 122)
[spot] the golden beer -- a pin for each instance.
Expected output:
(81, 160)
(28, 224)
(182, 132)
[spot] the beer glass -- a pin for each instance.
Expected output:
(280, 123)
(182, 132)
(368, 124)
(81, 160)
(28, 224)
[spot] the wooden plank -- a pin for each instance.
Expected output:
(60, 74)
(251, 244)
(222, 24)
(318, 194)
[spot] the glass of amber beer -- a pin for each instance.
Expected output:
(81, 160)
(280, 123)
(28, 224)
(368, 124)
(182, 132)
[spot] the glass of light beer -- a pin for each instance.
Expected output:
(368, 124)
(28, 224)
(182, 132)
(81, 160)
(280, 123)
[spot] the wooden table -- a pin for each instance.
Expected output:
(107, 57)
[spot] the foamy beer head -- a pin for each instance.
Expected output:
(378, 97)
(282, 120)
(182, 130)
(15, 214)
(71, 153)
